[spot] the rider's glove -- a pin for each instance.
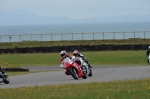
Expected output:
(61, 65)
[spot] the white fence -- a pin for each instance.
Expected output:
(75, 36)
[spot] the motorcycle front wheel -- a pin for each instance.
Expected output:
(73, 73)
(6, 80)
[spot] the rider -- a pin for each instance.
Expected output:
(76, 54)
(147, 54)
(1, 79)
(1, 70)
(63, 55)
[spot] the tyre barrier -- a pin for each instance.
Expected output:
(16, 69)
(78, 47)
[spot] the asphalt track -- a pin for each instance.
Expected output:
(57, 76)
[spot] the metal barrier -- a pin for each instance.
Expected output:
(75, 36)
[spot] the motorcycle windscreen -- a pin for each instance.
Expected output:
(66, 65)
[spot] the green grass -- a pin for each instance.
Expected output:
(67, 43)
(94, 58)
(30, 59)
(130, 89)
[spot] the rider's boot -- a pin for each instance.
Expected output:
(90, 68)
(90, 74)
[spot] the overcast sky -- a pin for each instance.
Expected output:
(78, 8)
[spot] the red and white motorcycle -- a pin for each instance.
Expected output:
(73, 68)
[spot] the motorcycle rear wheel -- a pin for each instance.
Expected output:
(84, 70)
(90, 74)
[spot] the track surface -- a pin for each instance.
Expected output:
(100, 74)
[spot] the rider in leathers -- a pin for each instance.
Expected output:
(1, 70)
(0, 74)
(76, 54)
(147, 54)
(63, 55)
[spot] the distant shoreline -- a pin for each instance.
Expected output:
(75, 28)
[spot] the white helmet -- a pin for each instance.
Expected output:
(63, 53)
(149, 47)
(75, 52)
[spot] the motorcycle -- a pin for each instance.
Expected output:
(4, 78)
(84, 66)
(73, 68)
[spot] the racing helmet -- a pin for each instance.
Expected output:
(75, 52)
(63, 53)
(149, 48)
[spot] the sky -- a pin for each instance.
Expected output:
(78, 9)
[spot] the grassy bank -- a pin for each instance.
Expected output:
(130, 89)
(66, 43)
(94, 58)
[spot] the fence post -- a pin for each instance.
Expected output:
(20, 38)
(144, 34)
(10, 38)
(41, 37)
(93, 35)
(61, 36)
(30, 37)
(72, 36)
(103, 35)
(114, 35)
(124, 35)
(51, 37)
(82, 36)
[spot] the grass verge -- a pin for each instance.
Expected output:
(72, 42)
(95, 58)
(130, 89)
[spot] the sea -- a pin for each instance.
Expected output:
(69, 29)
